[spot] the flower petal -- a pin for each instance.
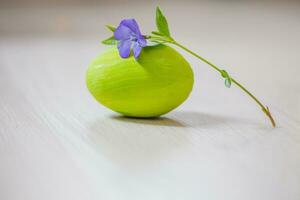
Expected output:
(142, 41)
(132, 25)
(136, 50)
(122, 32)
(124, 48)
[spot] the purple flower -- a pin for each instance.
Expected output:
(128, 34)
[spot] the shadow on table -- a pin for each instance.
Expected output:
(137, 144)
(177, 119)
(157, 121)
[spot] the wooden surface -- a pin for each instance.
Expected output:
(58, 143)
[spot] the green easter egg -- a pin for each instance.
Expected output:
(154, 84)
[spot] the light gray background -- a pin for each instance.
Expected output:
(57, 142)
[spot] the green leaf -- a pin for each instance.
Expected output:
(111, 28)
(156, 40)
(110, 41)
(227, 78)
(228, 82)
(153, 43)
(161, 23)
(157, 33)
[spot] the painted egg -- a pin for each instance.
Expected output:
(154, 84)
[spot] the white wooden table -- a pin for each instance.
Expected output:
(58, 143)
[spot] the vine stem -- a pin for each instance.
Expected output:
(265, 109)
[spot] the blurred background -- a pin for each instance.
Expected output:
(256, 41)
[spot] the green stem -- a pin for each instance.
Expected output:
(265, 109)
